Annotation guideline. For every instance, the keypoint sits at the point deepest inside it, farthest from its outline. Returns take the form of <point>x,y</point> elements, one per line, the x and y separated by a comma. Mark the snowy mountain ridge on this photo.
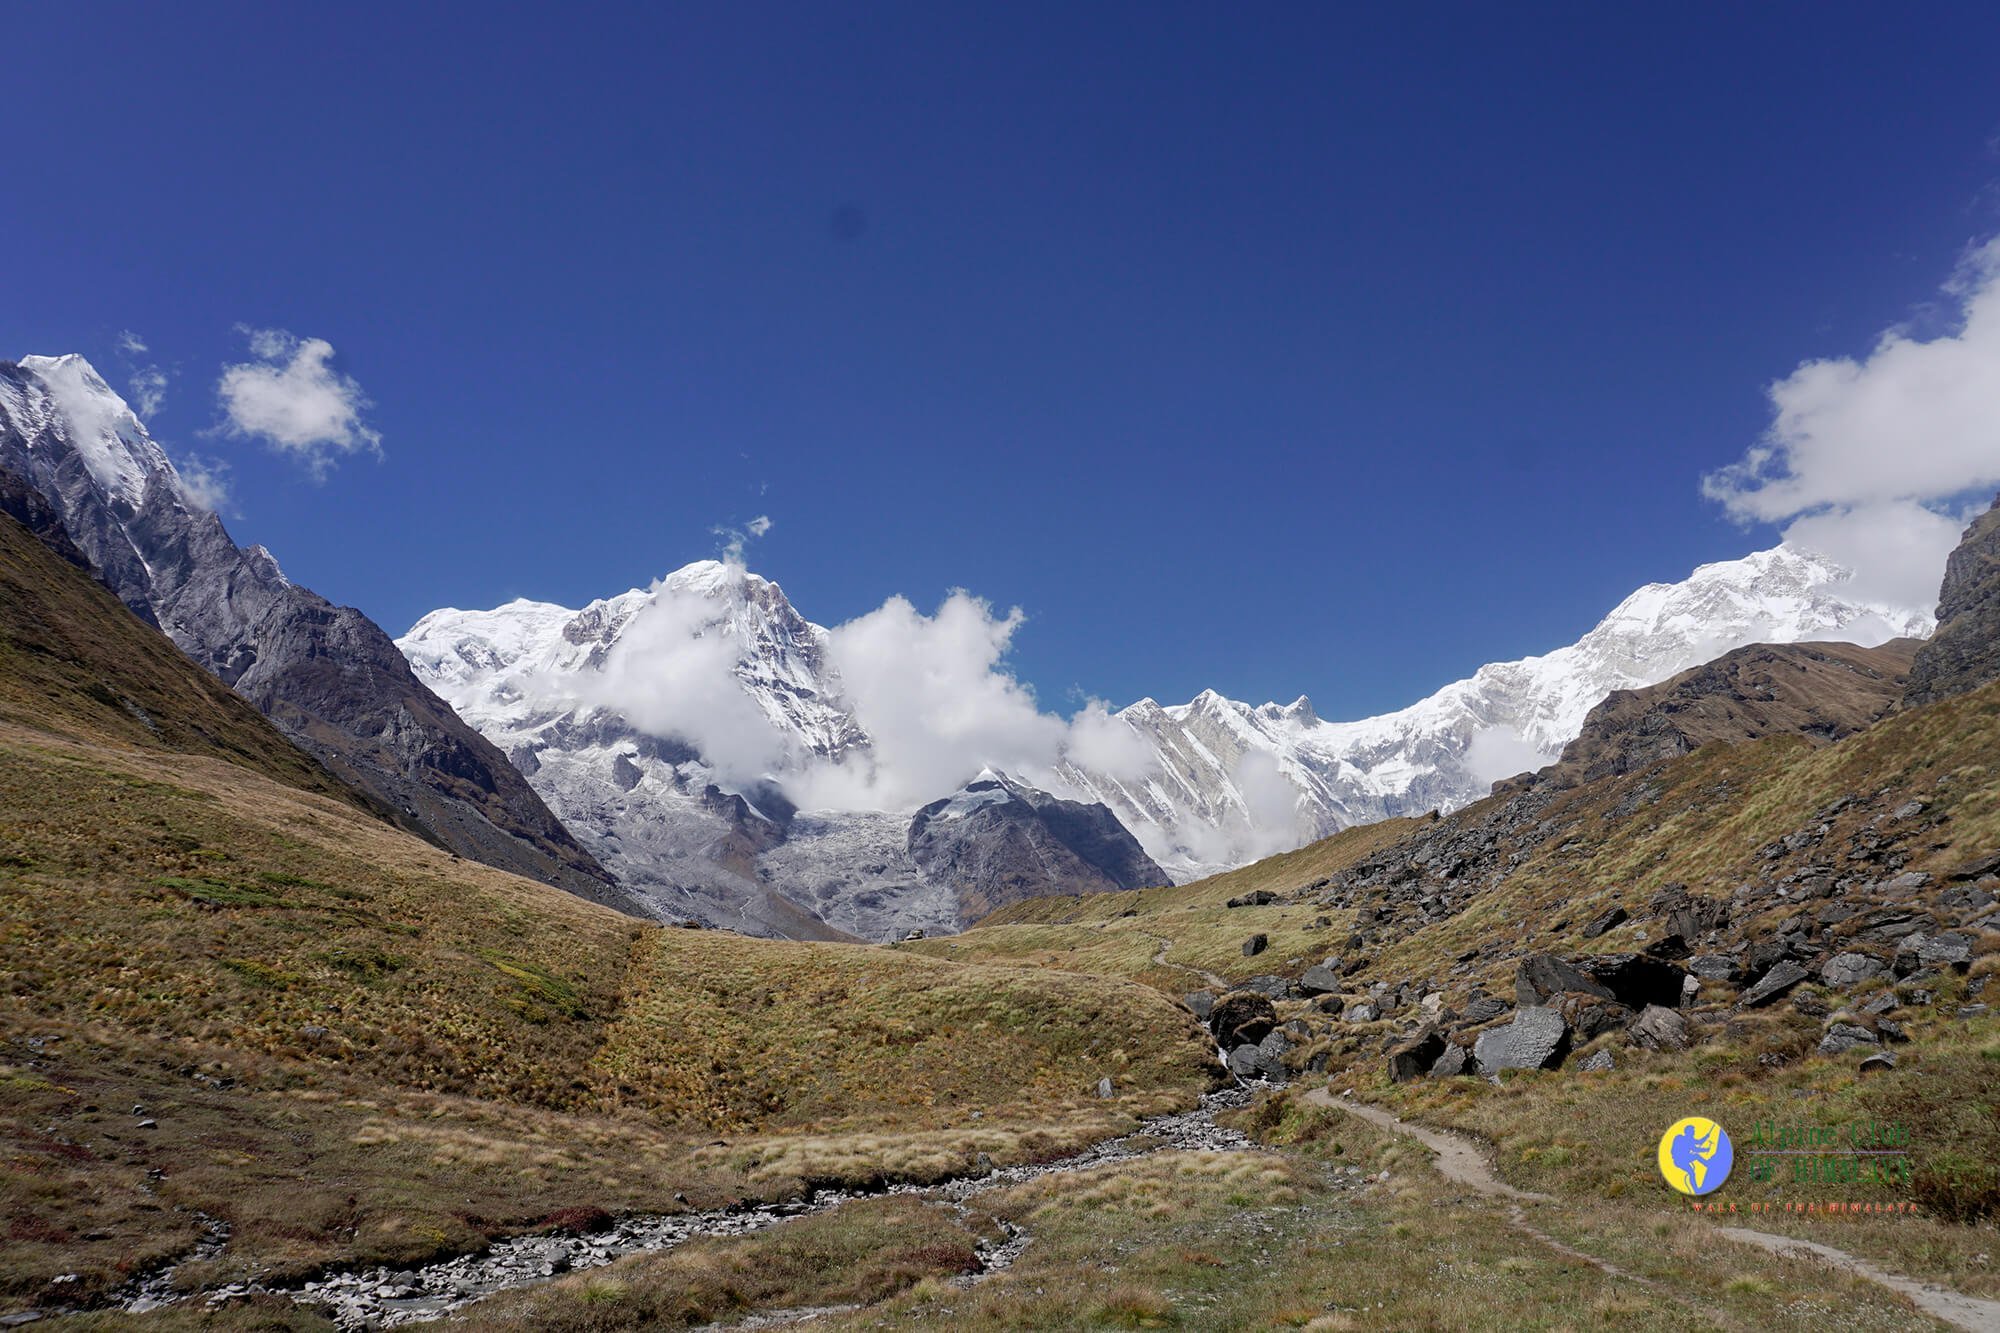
<point>593,705</point>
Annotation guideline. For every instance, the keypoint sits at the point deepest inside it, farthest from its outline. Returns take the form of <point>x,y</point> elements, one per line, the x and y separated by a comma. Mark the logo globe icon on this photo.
<point>1695,1155</point>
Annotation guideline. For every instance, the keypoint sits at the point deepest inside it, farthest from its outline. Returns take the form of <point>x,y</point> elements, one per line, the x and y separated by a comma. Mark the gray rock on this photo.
<point>1363,1013</point>
<point>1275,987</point>
<point>1243,1061</point>
<point>1964,652</point>
<point>1260,898</point>
<point>1484,1010</point>
<point>1241,1018</point>
<point>1542,975</point>
<point>1599,1062</point>
<point>1878,1062</point>
<point>1201,1002</point>
<point>1453,1061</point>
<point>1590,1017</point>
<point>1415,1055</point>
<point>1610,920</point>
<point>1329,1004</point>
<point>1951,950</point>
<point>1319,979</point>
<point>1843,1037</point>
<point>1271,1054</point>
<point>1104,1088</point>
<point>1659,1029</point>
<point>1774,983</point>
<point>1636,979</point>
<point>1536,1039</point>
<point>1847,970</point>
<point>1883,1003</point>
<point>1256,944</point>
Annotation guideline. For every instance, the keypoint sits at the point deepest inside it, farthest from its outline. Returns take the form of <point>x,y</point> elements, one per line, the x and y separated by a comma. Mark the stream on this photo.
<point>386,1298</point>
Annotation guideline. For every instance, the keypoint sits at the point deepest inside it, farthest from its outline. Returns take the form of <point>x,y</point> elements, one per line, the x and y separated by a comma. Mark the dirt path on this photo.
<point>1461,1160</point>
<point>1208,978</point>
<point>1954,1308</point>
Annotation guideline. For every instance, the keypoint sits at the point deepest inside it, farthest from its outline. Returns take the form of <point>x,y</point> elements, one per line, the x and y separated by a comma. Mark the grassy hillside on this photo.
<point>1178,938</point>
<point>351,1043</point>
<point>1894,818</point>
<point>75,662</point>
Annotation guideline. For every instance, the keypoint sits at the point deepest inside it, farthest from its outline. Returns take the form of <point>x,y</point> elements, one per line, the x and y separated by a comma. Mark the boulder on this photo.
<point>1243,1061</point>
<point>1201,1002</point>
<point>1271,1057</point>
<point>1362,1013</point>
<point>1484,1009</point>
<point>1599,1062</point>
<point>1269,984</point>
<point>1847,970</point>
<point>1415,1055</point>
<point>1591,1016</point>
<point>1454,1060</point>
<point>1319,979</point>
<point>1635,979</point>
<point>1536,1039</point>
<point>1329,1004</point>
<point>1105,1089</point>
<point>1951,950</point>
<point>1841,1038</point>
<point>1256,944</point>
<point>1610,920</point>
<point>1774,983</point>
<point>1260,898</point>
<point>1241,1018</point>
<point>1542,975</point>
<point>1878,1062</point>
<point>1658,1028</point>
<point>1715,967</point>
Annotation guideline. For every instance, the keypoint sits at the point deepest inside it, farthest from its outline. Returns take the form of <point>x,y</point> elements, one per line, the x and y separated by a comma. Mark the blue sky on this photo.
<point>1318,349</point>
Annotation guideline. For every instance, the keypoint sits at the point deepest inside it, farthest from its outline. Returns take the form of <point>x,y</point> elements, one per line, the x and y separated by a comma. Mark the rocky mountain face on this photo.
<point>1233,782</point>
<point>613,713</point>
<point>1822,691</point>
<point>1638,896</point>
<point>1001,841</point>
<point>329,678</point>
<point>1965,652</point>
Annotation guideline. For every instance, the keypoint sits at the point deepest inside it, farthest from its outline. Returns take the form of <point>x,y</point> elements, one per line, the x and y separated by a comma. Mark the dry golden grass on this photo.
<point>359,1048</point>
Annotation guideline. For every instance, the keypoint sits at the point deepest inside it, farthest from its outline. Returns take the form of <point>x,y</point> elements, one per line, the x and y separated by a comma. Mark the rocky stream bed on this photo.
<point>385,1298</point>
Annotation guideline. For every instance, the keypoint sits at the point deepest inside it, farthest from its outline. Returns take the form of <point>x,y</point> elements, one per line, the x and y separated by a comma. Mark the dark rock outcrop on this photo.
<point>1822,691</point>
<point>1964,653</point>
<point>1242,1018</point>
<point>998,841</point>
<point>1543,976</point>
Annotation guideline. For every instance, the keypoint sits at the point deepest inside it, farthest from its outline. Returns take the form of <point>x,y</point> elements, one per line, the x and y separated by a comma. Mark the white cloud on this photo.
<point>131,343</point>
<point>672,674</point>
<point>1500,752</point>
<point>932,693</point>
<point>1872,461</point>
<point>292,398</point>
<point>204,481</point>
<point>735,539</point>
<point>149,390</point>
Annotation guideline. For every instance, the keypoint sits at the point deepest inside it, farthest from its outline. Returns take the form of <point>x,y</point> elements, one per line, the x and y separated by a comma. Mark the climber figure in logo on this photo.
<point>1692,1152</point>
<point>1695,1155</point>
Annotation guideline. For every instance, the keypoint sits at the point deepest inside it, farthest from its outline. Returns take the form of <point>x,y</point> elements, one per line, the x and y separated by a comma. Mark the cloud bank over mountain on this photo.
<point>1879,461</point>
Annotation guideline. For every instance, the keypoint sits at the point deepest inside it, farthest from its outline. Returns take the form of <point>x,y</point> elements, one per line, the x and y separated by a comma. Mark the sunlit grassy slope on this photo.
<point>227,988</point>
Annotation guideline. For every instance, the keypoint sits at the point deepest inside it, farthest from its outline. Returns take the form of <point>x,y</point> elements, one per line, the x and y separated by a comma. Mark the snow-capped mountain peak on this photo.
<point>1214,801</point>
<point>64,403</point>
